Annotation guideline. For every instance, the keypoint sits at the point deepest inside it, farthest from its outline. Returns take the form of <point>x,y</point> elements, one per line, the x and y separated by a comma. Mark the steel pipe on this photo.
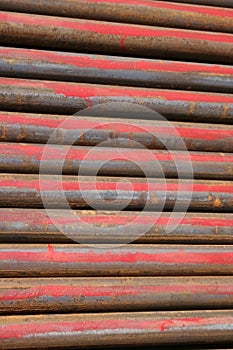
<point>115,329</point>
<point>69,98</point>
<point>112,193</point>
<point>90,131</point>
<point>155,13</point>
<point>81,35</point>
<point>69,295</point>
<point>37,64</point>
<point>58,226</point>
<point>53,159</point>
<point>37,260</point>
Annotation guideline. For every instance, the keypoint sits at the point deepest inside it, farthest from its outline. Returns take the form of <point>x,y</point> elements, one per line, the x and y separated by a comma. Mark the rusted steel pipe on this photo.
<point>68,98</point>
<point>54,159</point>
<point>111,329</point>
<point>155,13</point>
<point>114,38</point>
<point>112,193</point>
<point>36,226</point>
<point>89,131</point>
<point>37,64</point>
<point>220,3</point>
<point>27,260</point>
<point>25,295</point>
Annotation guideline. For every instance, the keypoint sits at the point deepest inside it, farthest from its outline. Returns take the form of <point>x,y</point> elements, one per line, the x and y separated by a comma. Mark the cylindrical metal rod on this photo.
<point>90,131</point>
<point>35,64</point>
<point>54,159</point>
<point>112,193</point>
<point>115,38</point>
<point>27,295</point>
<point>111,329</point>
<point>155,13</point>
<point>220,3</point>
<point>27,260</point>
<point>36,226</point>
<point>68,98</point>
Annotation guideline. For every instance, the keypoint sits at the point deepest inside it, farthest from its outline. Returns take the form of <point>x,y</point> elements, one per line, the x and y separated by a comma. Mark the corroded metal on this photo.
<point>54,159</point>
<point>68,98</point>
<point>36,226</point>
<point>89,131</point>
<point>25,295</point>
<point>80,35</point>
<point>112,329</point>
<point>112,193</point>
<point>38,64</point>
<point>27,260</point>
<point>155,13</point>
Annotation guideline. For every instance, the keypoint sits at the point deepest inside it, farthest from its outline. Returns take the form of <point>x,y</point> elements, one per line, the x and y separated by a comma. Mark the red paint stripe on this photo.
<point>107,28</point>
<point>71,124</point>
<point>14,331</point>
<point>113,63</point>
<point>56,185</point>
<point>46,153</point>
<point>38,218</point>
<point>89,91</point>
<point>204,10</point>
<point>170,256</point>
<point>58,291</point>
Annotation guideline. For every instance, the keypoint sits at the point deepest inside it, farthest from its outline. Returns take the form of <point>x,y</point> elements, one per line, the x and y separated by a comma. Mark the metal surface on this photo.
<point>111,193</point>
<point>160,13</point>
<point>35,226</point>
<point>131,133</point>
<point>27,260</point>
<point>28,295</point>
<point>81,35</point>
<point>54,159</point>
<point>68,98</point>
<point>38,64</point>
<point>134,329</point>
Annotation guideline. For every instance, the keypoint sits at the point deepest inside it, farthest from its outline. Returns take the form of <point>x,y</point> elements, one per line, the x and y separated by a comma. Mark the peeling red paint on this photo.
<point>170,256</point>
<point>89,91</point>
<point>28,329</point>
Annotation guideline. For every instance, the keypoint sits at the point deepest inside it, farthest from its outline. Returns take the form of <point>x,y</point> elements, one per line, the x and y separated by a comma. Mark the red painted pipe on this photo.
<point>106,193</point>
<point>160,13</point>
<point>69,98</point>
<point>27,260</point>
<point>38,64</point>
<point>53,159</point>
<point>115,38</point>
<point>117,329</point>
<point>36,226</point>
<point>89,131</point>
<point>25,295</point>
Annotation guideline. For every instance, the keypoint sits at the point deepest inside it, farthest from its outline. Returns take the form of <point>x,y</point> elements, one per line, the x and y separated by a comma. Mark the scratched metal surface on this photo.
<point>167,289</point>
